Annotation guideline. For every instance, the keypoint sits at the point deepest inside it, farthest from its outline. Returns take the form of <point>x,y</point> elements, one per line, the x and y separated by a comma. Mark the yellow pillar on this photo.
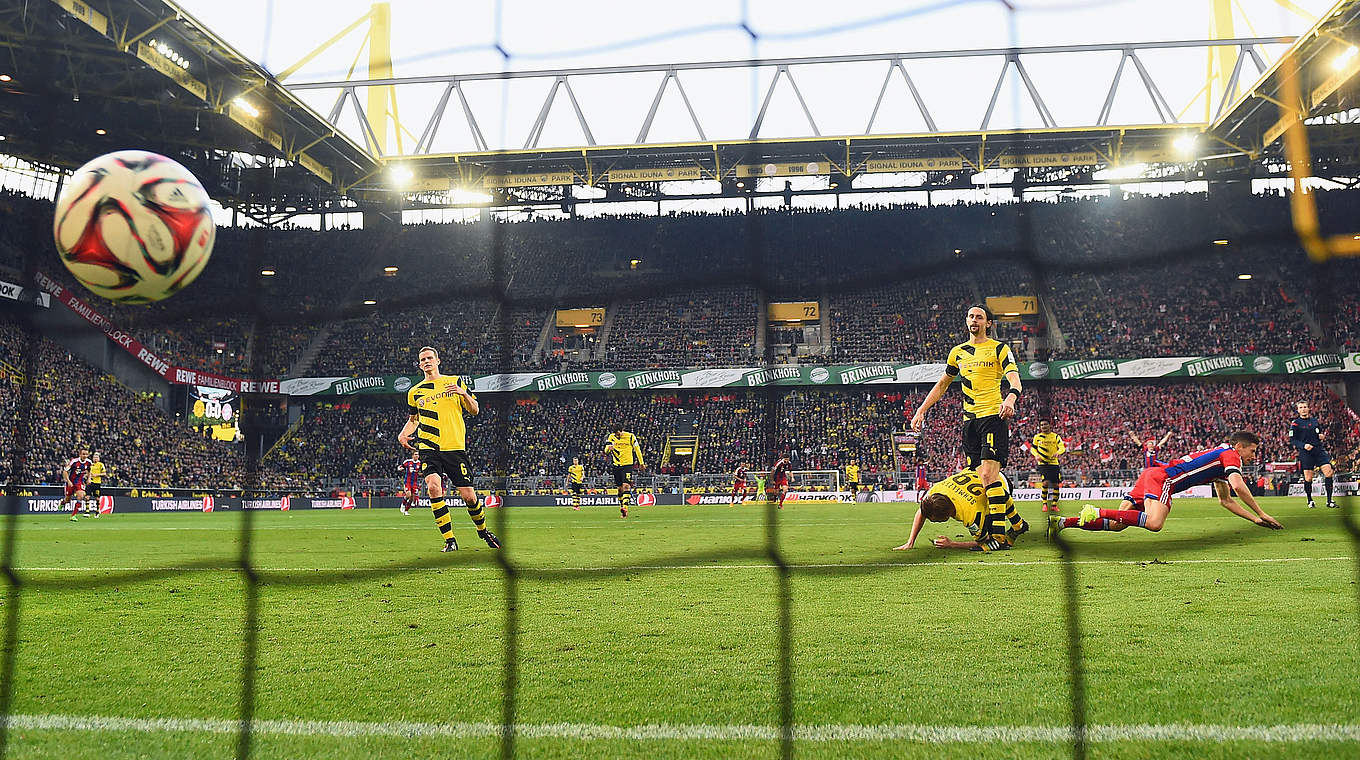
<point>380,67</point>
<point>1221,59</point>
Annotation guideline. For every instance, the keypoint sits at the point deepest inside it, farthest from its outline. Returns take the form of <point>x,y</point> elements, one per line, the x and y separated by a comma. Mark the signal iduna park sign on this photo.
<point>840,374</point>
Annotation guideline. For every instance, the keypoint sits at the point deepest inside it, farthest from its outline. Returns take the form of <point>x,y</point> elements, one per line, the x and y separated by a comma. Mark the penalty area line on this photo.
<point>1204,733</point>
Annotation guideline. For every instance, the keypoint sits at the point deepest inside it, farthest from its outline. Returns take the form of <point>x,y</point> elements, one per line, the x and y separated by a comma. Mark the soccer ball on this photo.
<point>134,226</point>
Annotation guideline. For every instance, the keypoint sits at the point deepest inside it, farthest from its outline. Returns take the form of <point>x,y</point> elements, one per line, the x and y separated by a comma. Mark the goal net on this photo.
<point>808,481</point>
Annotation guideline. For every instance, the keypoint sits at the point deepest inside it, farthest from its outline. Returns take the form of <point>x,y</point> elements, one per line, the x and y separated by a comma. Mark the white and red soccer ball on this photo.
<point>134,226</point>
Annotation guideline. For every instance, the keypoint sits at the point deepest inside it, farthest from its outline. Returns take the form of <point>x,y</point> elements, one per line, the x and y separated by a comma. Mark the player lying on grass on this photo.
<point>963,497</point>
<point>1149,503</point>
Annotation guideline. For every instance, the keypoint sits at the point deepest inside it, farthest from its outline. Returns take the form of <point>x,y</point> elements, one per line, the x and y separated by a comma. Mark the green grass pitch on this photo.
<point>658,636</point>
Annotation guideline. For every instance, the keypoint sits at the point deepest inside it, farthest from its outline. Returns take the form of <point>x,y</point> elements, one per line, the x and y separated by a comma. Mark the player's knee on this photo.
<point>1154,523</point>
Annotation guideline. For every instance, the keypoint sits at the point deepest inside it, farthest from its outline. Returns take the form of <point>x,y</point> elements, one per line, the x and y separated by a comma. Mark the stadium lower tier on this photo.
<point>538,435</point>
<point>530,435</point>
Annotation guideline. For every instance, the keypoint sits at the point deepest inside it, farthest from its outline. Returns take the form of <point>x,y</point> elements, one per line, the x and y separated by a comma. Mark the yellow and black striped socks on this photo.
<point>576,499</point>
<point>441,517</point>
<point>474,509</point>
<point>999,497</point>
<point>1049,495</point>
<point>625,497</point>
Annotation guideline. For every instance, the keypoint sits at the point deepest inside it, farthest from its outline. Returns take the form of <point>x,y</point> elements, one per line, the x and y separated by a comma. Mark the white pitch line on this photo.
<point>1207,733</point>
<point>751,566</point>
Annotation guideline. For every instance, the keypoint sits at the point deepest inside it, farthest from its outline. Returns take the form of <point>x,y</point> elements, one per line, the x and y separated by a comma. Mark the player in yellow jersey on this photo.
<point>852,480</point>
<point>437,404</point>
<point>577,475</point>
<point>981,364</point>
<point>962,497</point>
<point>625,458</point>
<point>1046,447</point>
<point>97,472</point>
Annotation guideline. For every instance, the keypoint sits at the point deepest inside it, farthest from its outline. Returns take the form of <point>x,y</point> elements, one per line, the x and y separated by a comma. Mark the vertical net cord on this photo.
<point>259,327</point>
<point>500,291</point>
<point>1321,254</point>
<point>1042,409</point>
<point>12,502</point>
<point>759,273</point>
<point>1330,286</point>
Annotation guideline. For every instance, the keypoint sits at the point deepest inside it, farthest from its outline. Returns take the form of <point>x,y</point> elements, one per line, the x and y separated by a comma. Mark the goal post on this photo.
<point>811,481</point>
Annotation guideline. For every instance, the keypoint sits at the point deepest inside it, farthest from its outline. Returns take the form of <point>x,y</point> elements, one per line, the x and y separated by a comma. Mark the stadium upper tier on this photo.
<point>1116,278</point>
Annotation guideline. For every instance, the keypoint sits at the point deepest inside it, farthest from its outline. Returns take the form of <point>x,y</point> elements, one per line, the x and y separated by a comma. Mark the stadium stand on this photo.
<point>819,429</point>
<point>76,406</point>
<point>716,328</point>
<point>893,281</point>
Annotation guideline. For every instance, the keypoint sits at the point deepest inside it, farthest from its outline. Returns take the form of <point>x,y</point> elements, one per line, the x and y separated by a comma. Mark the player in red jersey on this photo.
<point>410,469</point>
<point>922,482</point>
<point>76,477</point>
<point>1152,449</point>
<point>739,483</point>
<point>779,480</point>
<point>1149,503</point>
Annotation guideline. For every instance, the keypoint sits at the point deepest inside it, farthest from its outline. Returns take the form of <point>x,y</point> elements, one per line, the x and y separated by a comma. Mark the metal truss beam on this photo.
<point>532,136</point>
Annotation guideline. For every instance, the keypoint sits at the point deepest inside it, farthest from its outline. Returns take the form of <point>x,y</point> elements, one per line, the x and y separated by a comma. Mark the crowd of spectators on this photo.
<point>536,435</point>
<point>915,321</point>
<point>74,406</point>
<point>1116,277</point>
<point>712,328</point>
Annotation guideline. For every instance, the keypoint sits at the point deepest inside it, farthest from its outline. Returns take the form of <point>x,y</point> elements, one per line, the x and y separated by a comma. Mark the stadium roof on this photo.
<point>1315,77</point>
<point>146,74</point>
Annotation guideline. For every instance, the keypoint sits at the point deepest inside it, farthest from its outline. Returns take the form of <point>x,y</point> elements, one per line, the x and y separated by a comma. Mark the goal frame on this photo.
<point>794,478</point>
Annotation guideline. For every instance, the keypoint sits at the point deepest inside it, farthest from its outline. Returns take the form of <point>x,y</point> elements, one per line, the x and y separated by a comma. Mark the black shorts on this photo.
<point>92,491</point>
<point>623,473</point>
<point>577,488</point>
<point>1313,459</point>
<point>1050,473</point>
<point>854,485</point>
<point>453,465</point>
<point>986,438</point>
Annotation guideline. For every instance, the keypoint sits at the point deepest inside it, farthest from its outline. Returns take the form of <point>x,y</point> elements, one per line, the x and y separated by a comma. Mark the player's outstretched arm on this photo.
<point>1165,438</point>
<point>945,542</point>
<point>916,523</point>
<point>1134,437</point>
<point>1239,486</point>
